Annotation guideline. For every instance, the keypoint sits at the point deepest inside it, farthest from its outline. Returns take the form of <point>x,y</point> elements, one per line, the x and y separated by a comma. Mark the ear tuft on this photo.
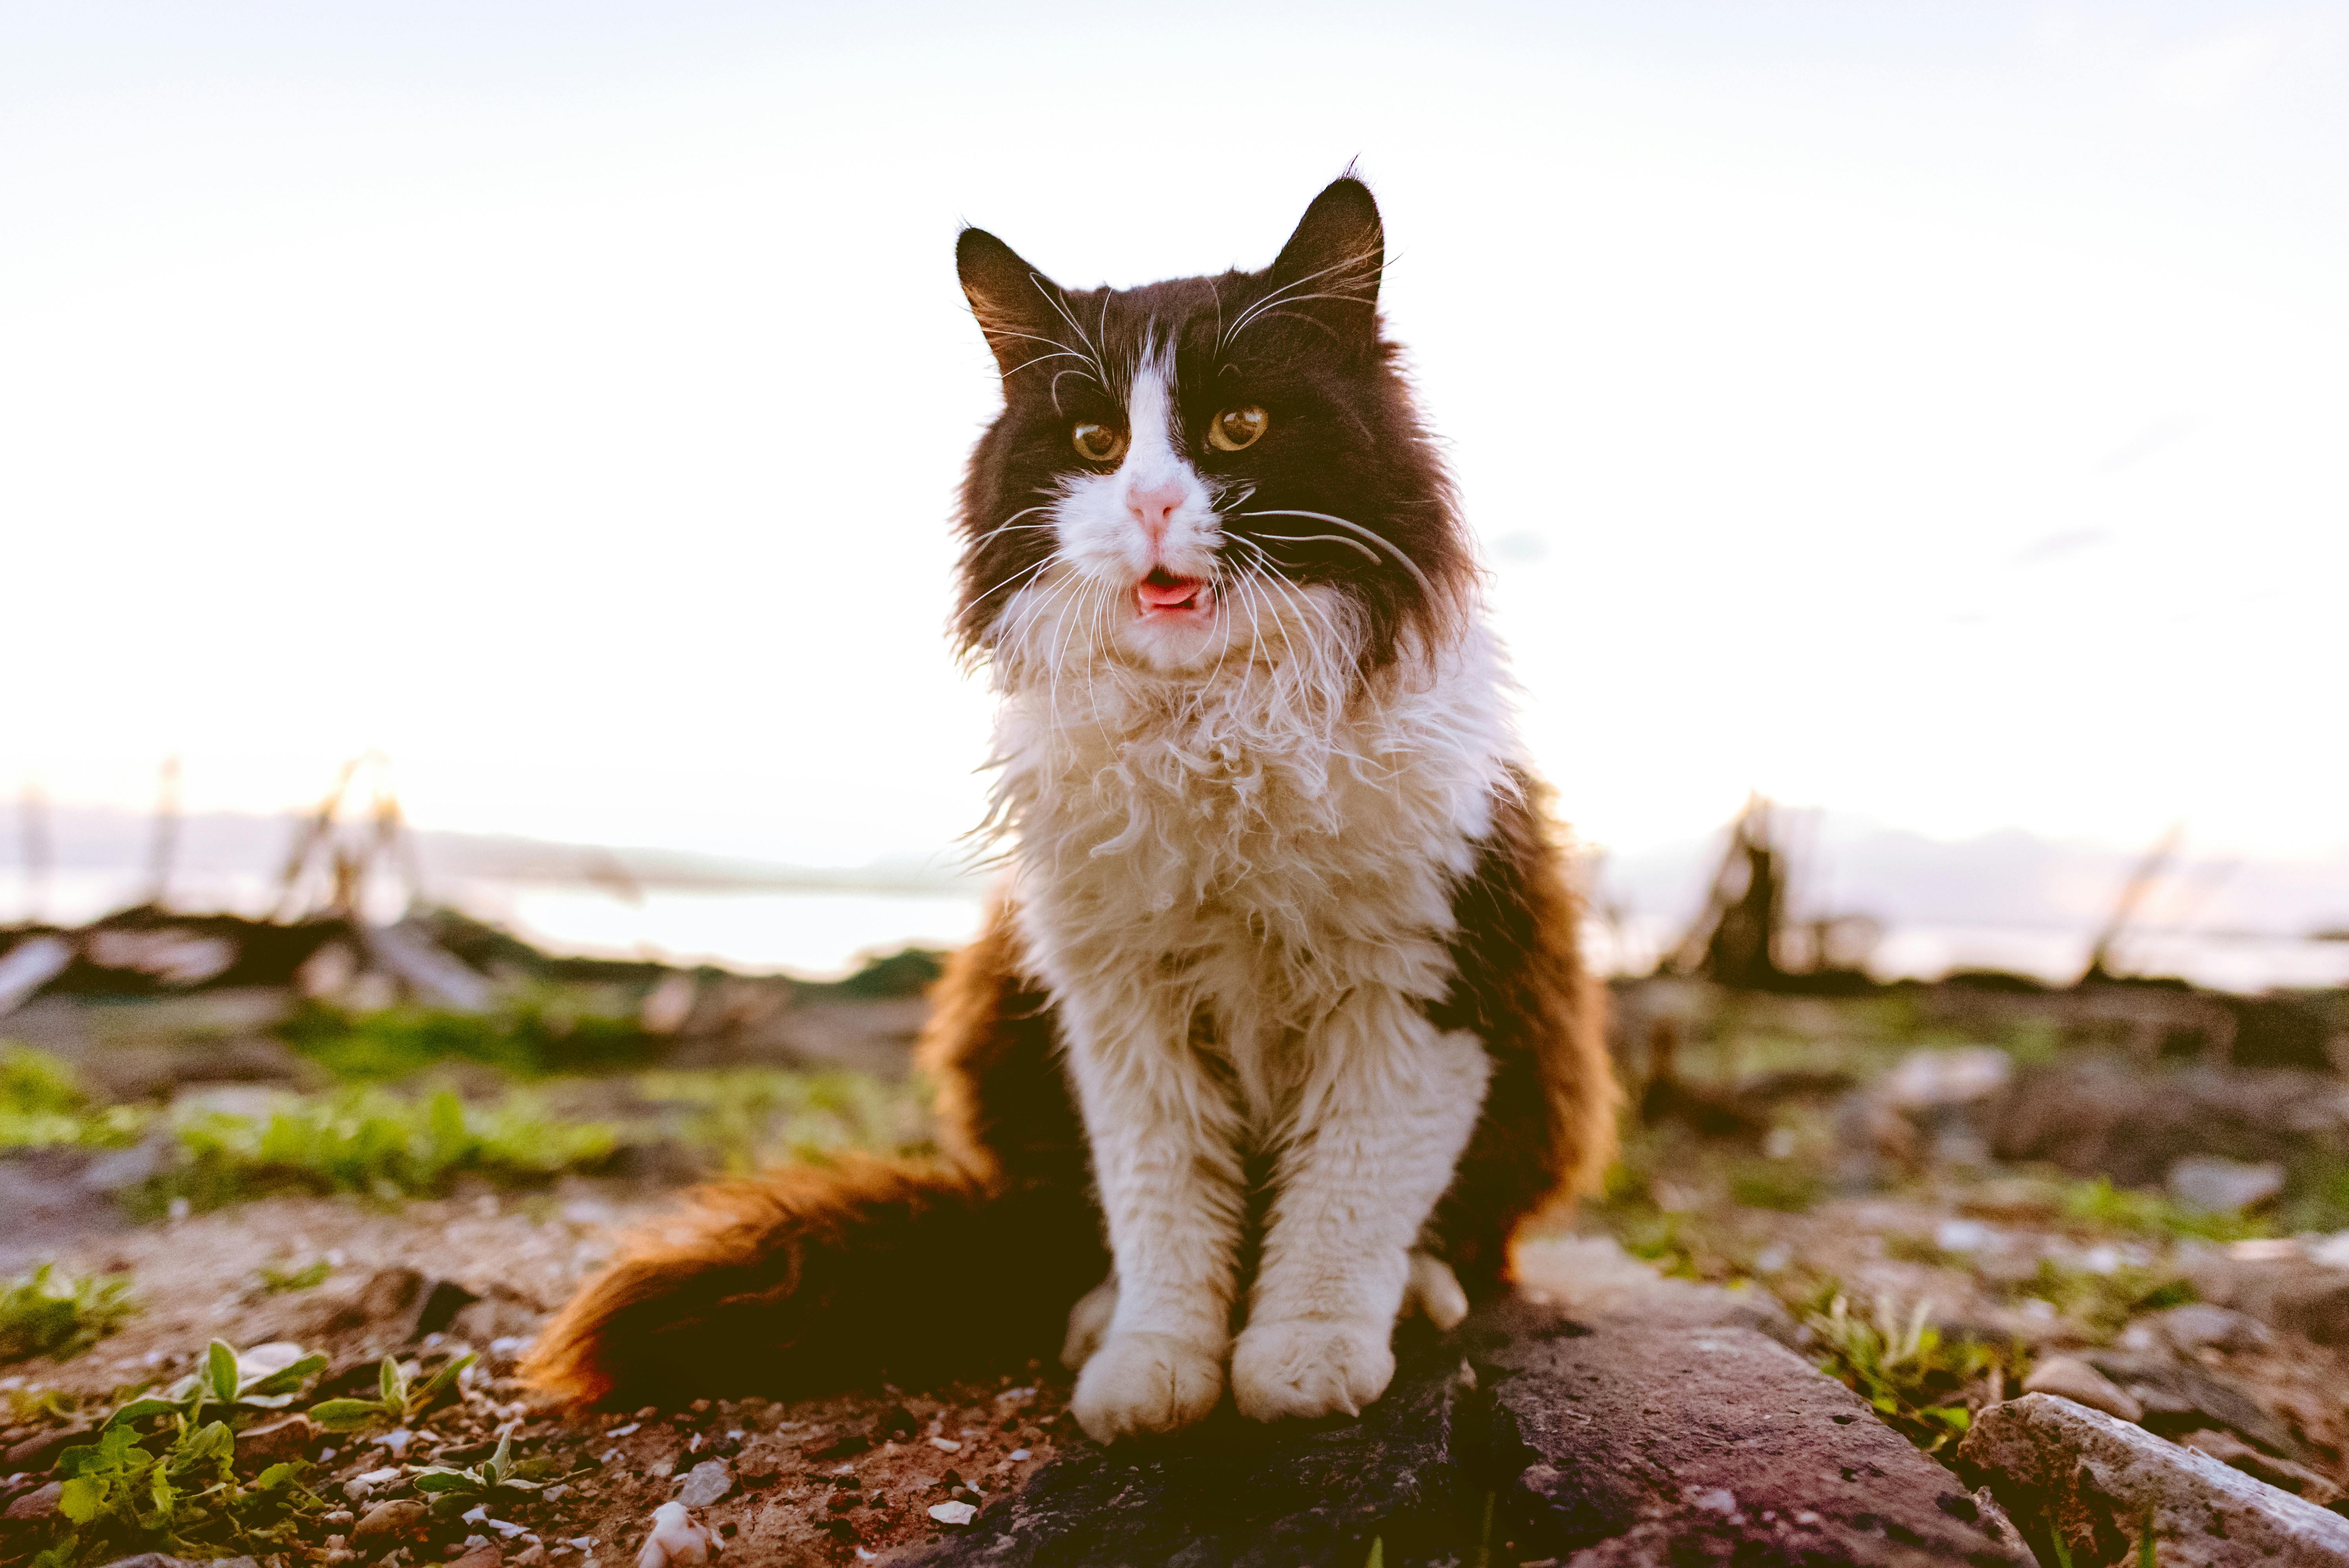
<point>1015,304</point>
<point>1340,248</point>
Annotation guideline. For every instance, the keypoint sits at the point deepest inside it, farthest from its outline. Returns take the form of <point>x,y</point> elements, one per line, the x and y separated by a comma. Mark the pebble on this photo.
<point>397,1517</point>
<point>952,1512</point>
<point>945,1445</point>
<point>705,1483</point>
<point>2068,1377</point>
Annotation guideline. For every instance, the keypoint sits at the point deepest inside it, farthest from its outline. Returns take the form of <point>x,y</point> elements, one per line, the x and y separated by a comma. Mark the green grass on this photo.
<point>367,1140</point>
<point>529,1037</point>
<point>42,1104</point>
<point>752,1117</point>
<point>2101,1204</point>
<point>1778,1184</point>
<point>44,1314</point>
<point>1918,1382</point>
<point>2102,1303</point>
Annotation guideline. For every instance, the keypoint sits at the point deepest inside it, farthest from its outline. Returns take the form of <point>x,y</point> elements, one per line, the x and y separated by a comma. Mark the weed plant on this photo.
<point>42,1313</point>
<point>1922,1384</point>
<point>531,1035</point>
<point>42,1104</point>
<point>751,1117</point>
<point>367,1140</point>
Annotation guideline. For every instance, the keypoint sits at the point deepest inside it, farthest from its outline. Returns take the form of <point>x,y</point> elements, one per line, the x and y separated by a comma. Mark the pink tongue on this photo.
<point>1169,592</point>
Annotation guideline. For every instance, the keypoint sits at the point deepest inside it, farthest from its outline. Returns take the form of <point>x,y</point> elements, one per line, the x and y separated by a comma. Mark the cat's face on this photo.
<point>1204,467</point>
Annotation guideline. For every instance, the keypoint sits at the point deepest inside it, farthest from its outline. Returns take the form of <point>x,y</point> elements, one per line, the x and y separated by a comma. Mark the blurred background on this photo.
<point>1926,417</point>
<point>479,749</point>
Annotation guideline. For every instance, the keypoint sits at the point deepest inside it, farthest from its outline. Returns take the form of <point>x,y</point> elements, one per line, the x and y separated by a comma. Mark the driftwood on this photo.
<point>1661,1426</point>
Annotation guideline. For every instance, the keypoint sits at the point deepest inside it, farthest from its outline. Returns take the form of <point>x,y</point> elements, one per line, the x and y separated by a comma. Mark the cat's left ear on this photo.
<point>1330,265</point>
<point>1022,312</point>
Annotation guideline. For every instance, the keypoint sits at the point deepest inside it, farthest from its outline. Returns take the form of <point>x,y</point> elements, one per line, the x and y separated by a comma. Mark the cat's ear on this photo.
<point>1022,312</point>
<point>1330,265</point>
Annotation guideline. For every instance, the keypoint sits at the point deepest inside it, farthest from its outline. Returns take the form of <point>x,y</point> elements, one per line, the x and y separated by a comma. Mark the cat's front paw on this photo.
<point>1138,1382</point>
<point>1307,1366</point>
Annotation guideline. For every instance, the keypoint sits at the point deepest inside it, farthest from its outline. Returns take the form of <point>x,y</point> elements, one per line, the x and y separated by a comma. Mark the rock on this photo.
<point>40,1450</point>
<point>1956,1077</point>
<point>160,1560</point>
<point>40,1503</point>
<point>2197,1326</point>
<point>2178,1396</point>
<point>2069,1378</point>
<point>2061,1468</point>
<point>2331,1251</point>
<point>954,1513</point>
<point>1608,1439</point>
<point>443,1300</point>
<point>2216,1185</point>
<point>705,1483</point>
<point>2288,1294</point>
<point>400,1516</point>
<point>486,1555</point>
<point>259,1447</point>
<point>388,1295</point>
<point>2235,1454</point>
<point>676,1539</point>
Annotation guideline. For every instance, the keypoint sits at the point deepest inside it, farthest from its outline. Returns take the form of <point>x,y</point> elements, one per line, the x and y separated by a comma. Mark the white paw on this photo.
<point>1141,1383</point>
<point>1433,1291</point>
<point>1089,1322</point>
<point>1310,1367</point>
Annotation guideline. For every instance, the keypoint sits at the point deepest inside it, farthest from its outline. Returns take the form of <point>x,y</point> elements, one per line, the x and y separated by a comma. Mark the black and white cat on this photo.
<point>1281,992</point>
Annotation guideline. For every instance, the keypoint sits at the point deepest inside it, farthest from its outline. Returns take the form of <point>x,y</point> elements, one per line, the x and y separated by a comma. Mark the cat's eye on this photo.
<point>1236,428</point>
<point>1098,443</point>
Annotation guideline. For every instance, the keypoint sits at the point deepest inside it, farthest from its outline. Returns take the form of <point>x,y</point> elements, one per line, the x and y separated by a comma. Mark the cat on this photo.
<point>1276,1030</point>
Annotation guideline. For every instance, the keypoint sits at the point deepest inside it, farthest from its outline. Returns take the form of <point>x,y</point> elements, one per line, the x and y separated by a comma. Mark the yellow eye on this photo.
<point>1236,428</point>
<point>1099,443</point>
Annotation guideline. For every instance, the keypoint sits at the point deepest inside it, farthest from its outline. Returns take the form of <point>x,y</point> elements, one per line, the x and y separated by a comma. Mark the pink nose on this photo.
<point>1153,505</point>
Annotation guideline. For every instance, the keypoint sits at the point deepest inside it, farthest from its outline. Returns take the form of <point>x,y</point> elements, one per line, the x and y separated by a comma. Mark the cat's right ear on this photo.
<point>1022,312</point>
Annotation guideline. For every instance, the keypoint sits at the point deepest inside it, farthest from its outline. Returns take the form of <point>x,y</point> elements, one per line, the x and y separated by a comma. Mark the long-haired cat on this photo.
<point>1280,998</point>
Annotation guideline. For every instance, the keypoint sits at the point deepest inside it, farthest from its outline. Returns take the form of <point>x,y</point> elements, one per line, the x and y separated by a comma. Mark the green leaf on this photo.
<point>220,1366</point>
<point>347,1415</point>
<point>442,1479</point>
<point>392,1384</point>
<point>278,1474</point>
<point>286,1379</point>
<point>141,1409</point>
<point>81,1498</point>
<point>438,1384</point>
<point>502,1463</point>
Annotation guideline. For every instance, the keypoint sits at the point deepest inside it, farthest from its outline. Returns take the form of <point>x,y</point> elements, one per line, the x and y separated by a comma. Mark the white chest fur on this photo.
<point>1241,852</point>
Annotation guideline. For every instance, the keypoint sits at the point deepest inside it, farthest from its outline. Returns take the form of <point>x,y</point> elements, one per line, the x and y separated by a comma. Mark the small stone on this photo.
<point>2218,1186</point>
<point>2198,1325</point>
<point>945,1445</point>
<point>705,1483</point>
<point>338,1518</point>
<point>955,1513</point>
<point>41,1502</point>
<point>485,1555</point>
<point>40,1450</point>
<point>2068,1377</point>
<point>400,1516</point>
<point>259,1447</point>
<point>530,1557</point>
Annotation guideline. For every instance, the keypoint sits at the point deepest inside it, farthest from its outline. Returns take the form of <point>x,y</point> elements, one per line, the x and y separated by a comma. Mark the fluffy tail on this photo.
<point>819,1277</point>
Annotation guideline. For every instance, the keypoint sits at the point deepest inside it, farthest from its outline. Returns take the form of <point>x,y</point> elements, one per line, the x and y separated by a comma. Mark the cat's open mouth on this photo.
<point>1162,596</point>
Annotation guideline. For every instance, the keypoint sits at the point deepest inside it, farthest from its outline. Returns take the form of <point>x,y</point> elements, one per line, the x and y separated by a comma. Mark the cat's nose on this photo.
<point>1153,505</point>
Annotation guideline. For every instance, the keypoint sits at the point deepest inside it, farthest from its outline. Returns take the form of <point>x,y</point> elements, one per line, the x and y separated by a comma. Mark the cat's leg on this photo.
<point>1433,1291</point>
<point>1089,1322</point>
<point>1165,1142</point>
<point>1375,1137</point>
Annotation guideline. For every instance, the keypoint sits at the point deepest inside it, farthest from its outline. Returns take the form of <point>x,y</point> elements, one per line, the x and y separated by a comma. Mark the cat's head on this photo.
<point>1205,467</point>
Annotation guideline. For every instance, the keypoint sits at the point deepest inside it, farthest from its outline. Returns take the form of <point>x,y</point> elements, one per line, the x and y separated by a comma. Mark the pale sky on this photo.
<point>1931,412</point>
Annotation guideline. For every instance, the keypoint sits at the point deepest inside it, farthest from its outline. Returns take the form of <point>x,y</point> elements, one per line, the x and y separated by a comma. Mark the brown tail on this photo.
<point>819,1277</point>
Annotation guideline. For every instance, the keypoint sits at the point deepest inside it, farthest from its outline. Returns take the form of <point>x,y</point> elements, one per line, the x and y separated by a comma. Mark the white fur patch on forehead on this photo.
<point>1150,403</point>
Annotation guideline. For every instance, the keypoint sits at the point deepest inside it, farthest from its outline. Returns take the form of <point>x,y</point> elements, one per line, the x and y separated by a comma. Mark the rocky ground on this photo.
<point>1871,1214</point>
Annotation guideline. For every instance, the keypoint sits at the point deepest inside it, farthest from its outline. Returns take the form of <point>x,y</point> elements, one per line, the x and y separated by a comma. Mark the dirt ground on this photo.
<point>829,1480</point>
